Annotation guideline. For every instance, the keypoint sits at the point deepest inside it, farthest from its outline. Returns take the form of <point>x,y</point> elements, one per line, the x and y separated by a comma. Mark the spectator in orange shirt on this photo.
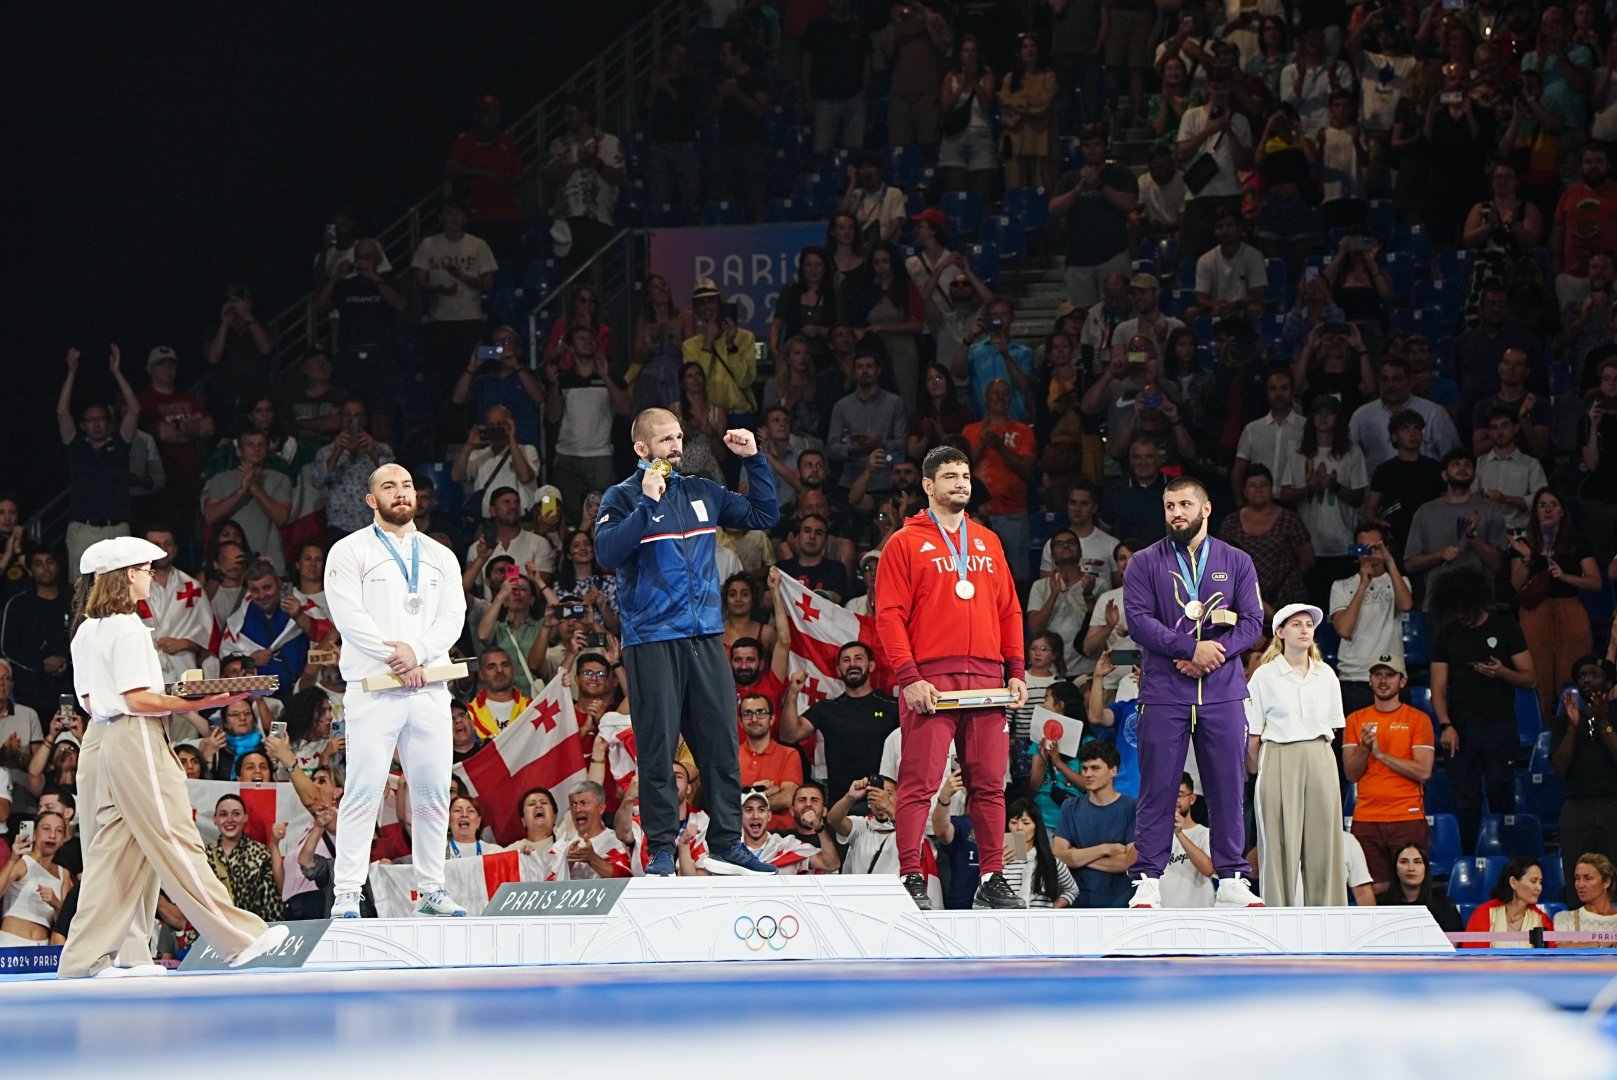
<point>1585,222</point>
<point>485,159</point>
<point>765,761</point>
<point>1002,456</point>
<point>1387,750</point>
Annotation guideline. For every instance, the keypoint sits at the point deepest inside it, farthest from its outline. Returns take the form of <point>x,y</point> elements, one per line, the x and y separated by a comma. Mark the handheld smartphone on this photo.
<point>512,573</point>
<point>25,833</point>
<point>1152,401</point>
<point>65,705</point>
<point>331,232</point>
<point>491,432</point>
<point>1310,273</point>
<point>890,457</point>
<point>489,352</point>
<point>1360,551</point>
<point>351,425</point>
<point>877,781</point>
<point>1016,844</point>
<point>1453,5</point>
<point>595,639</point>
<point>277,729</point>
<point>1126,657</point>
<point>1450,97</point>
<point>994,324</point>
<point>1136,356</point>
<point>1360,244</point>
<point>729,312</point>
<point>571,611</point>
<point>760,351</point>
<point>1336,329</point>
<point>489,539</point>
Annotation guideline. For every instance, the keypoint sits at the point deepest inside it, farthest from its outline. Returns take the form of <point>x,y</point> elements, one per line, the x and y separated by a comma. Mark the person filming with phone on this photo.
<point>344,467</point>
<point>727,353</point>
<point>492,458</point>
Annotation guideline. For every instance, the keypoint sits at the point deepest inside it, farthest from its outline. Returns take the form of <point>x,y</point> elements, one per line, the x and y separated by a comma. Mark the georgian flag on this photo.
<point>472,881</point>
<point>180,609</point>
<point>787,854</point>
<point>538,748</point>
<point>620,750</point>
<point>819,629</point>
<point>266,804</point>
<point>314,607</point>
<point>641,855</point>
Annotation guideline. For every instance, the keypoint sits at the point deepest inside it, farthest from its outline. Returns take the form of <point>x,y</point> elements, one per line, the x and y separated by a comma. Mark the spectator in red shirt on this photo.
<point>1002,457</point>
<point>1585,222</point>
<point>176,420</point>
<point>765,761</point>
<point>747,665</point>
<point>486,160</point>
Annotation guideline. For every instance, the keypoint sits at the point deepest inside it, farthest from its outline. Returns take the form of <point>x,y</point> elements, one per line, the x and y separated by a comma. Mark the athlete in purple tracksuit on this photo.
<point>1192,687</point>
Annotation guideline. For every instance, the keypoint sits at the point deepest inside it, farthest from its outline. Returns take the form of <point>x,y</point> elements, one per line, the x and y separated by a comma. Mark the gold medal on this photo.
<point>662,467</point>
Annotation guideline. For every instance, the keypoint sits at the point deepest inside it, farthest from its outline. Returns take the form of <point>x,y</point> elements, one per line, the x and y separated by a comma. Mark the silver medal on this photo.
<point>412,604</point>
<point>1194,610</point>
<point>965,589</point>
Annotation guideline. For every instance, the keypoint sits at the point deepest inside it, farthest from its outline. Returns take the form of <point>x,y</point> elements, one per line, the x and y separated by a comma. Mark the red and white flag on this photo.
<point>180,609</point>
<point>472,882</point>
<point>620,751</point>
<point>819,629</point>
<point>236,640</point>
<point>266,804</point>
<point>314,607</point>
<point>538,748</point>
<point>787,854</point>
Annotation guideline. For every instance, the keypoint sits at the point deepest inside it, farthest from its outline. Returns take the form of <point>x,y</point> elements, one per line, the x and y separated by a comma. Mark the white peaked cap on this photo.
<point>118,553</point>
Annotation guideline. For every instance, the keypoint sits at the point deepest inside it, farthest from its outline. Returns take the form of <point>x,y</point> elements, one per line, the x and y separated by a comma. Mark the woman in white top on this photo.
<point>541,837</point>
<point>33,885</point>
<point>465,829</point>
<point>1593,880</point>
<point>1294,708</point>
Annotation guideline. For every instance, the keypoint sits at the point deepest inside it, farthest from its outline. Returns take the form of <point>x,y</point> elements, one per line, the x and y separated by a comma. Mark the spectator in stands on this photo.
<point>1531,417</point>
<point>583,401</point>
<point>34,885</point>
<point>752,676</point>
<point>672,110</point>
<point>251,870</point>
<point>1384,79</point>
<point>854,725</point>
<point>1334,360</point>
<point>337,246</point>
<point>1095,201</point>
<point>177,420</point>
<point>1342,156</point>
<point>1583,749</point>
<point>486,160</point>
<point>583,309</point>
<point>1373,418</point>
<point>808,307</point>
<point>1212,129</point>
<point>1187,881</point>
<point>1095,833</point>
<point>1387,750</point>
<point>1360,285</point>
<point>1078,33</point>
<point>1163,193</point>
<point>1167,108</point>
<point>1272,438</point>
<point>1231,275</point>
<point>19,733</point>
<point>966,154</point>
<point>452,271</point>
<point>344,468</point>
<point>868,837</point>
<point>1035,875</point>
<point>1413,887</point>
<point>939,413</point>
<point>775,768</point>
<point>498,699</point>
<point>224,584</point>
<point>1459,138</point>
<point>1514,906</point>
<point>990,352</point>
<point>1062,601</point>
<point>1148,318</point>
<point>238,351</point>
<point>914,43</point>
<point>660,330</point>
<point>1597,454</point>
<point>1095,545</point>
<point>1003,454</point>
<point>12,568</point>
<point>865,421</point>
<point>509,623</point>
<point>876,210</point>
<point>1506,227</point>
<point>1549,564</point>
<point>583,169</point>
<point>504,380</point>
<point>1286,159</point>
<point>597,852</point>
<point>369,307</point>
<point>1366,612</point>
<point>465,831</point>
<point>890,307</point>
<point>1273,536</point>
<point>1477,352</point>
<point>727,353</point>
<point>262,623</point>
<point>1585,222</point>
<point>1270,54</point>
<point>1324,479</point>
<point>1133,502</point>
<point>1564,67</point>
<point>741,99</point>
<point>1097,328</point>
<point>33,637</point>
<point>98,459</point>
<point>1458,530</point>
<point>1404,482</point>
<point>491,458</point>
<point>811,566</point>
<point>835,75</point>
<point>1507,476</point>
<point>1593,879</point>
<point>311,404</point>
<point>1027,103</point>
<point>1479,660</point>
<point>1312,78</point>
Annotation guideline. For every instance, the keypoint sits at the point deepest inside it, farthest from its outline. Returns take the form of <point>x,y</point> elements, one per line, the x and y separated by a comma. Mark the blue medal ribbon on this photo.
<point>958,555</point>
<point>1193,581</point>
<point>412,576</point>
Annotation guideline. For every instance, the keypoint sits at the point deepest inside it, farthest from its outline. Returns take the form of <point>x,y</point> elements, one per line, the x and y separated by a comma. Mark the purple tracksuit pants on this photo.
<point>1164,732</point>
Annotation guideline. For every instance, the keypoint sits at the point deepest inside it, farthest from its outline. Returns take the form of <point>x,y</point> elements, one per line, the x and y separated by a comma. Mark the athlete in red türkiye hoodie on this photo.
<point>941,631</point>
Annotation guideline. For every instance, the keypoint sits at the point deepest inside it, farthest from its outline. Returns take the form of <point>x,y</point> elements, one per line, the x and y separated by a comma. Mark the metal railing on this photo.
<point>611,80</point>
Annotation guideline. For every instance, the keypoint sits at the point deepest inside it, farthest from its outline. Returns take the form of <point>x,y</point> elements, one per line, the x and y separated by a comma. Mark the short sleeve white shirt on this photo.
<point>112,656</point>
<point>872,848</point>
<point>1379,631</point>
<point>1183,886</point>
<point>1287,706</point>
<point>1232,277</point>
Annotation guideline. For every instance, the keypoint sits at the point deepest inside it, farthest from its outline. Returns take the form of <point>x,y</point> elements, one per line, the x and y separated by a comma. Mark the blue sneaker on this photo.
<point>662,864</point>
<point>735,860</point>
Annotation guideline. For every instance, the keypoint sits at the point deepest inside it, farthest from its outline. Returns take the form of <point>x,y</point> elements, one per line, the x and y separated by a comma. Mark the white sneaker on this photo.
<point>437,903</point>
<point>345,905</point>
<point>270,940</point>
<point>1147,893</point>
<point>1236,892</point>
<point>139,971</point>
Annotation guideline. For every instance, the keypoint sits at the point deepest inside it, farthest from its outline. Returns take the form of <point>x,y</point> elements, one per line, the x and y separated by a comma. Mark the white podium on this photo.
<point>835,918</point>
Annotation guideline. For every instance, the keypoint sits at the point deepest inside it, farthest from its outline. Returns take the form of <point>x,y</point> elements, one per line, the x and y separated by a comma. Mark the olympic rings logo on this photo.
<point>766,931</point>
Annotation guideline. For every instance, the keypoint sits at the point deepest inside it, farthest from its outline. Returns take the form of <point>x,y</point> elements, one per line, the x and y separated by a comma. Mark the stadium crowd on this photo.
<point>1352,267</point>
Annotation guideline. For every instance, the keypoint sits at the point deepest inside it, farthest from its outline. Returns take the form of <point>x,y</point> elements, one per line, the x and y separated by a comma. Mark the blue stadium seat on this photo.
<point>965,210</point>
<point>777,125</point>
<point>1006,233</point>
<point>780,210</point>
<point>1350,799</point>
<point>780,173</point>
<point>902,165</point>
<point>984,262</point>
<point>1427,321</point>
<point>1168,252</point>
<point>1417,649</point>
<point>1185,276</point>
<point>1451,300</point>
<point>1415,240</point>
<point>1466,911</point>
<point>1456,264</point>
<point>1554,879</point>
<point>1401,271</point>
<point>806,189</point>
<point>915,202</point>
<point>631,201</point>
<point>1540,794</point>
<point>835,161</point>
<point>1421,698</point>
<point>1379,217</point>
<point>1178,301</point>
<point>1203,329</point>
<point>541,276</point>
<point>1552,908</point>
<point>446,492</point>
<point>1275,272</point>
<point>1032,205</point>
<point>420,399</point>
<point>1071,151</point>
<point>1328,640</point>
<point>1539,760</point>
<point>1541,255</point>
<point>665,216</point>
<point>1528,721</point>
<point>723,212</point>
<point>1439,794</point>
<point>1510,835</point>
<point>1472,879</point>
<point>1443,841</point>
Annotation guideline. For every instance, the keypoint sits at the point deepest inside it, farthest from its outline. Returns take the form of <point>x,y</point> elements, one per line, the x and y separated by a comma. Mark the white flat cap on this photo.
<point>118,553</point>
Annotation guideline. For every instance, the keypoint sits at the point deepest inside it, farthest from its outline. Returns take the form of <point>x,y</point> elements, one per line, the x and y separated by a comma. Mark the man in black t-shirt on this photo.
<point>673,108</point>
<point>368,308</point>
<point>1096,200</point>
<point>854,726</point>
<point>1405,482</point>
<point>1479,661</point>
<point>1583,748</point>
<point>741,101</point>
<point>836,70</point>
<point>812,567</point>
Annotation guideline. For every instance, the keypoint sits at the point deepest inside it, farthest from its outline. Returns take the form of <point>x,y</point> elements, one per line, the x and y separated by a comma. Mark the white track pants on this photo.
<point>417,723</point>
